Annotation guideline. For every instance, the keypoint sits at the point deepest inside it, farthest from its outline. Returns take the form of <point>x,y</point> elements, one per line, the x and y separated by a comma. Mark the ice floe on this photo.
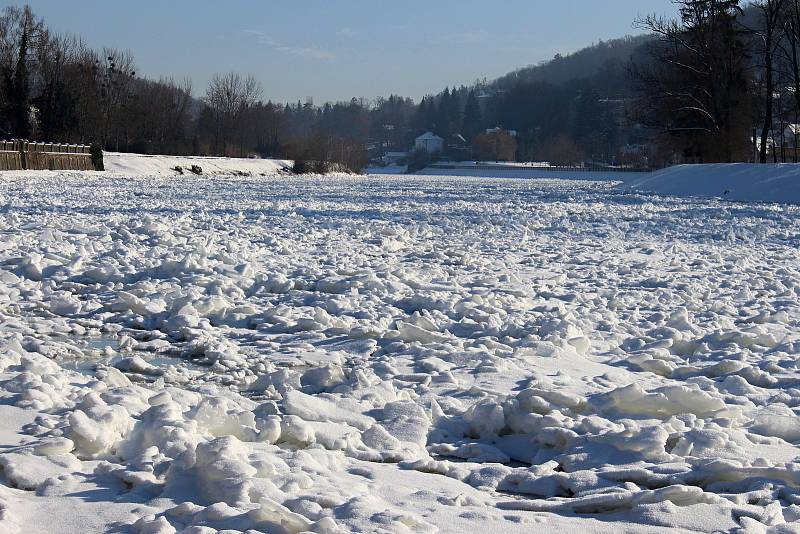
<point>393,354</point>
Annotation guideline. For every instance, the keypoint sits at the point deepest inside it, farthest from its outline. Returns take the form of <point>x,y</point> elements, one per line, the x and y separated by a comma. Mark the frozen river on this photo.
<point>394,354</point>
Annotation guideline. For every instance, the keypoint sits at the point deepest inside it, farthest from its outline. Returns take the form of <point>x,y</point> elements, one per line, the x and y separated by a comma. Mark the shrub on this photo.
<point>301,166</point>
<point>496,146</point>
<point>305,166</point>
<point>321,167</point>
<point>563,151</point>
<point>419,159</point>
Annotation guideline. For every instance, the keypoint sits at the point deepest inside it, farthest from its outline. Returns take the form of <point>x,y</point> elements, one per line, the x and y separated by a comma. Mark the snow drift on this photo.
<point>745,182</point>
<point>144,165</point>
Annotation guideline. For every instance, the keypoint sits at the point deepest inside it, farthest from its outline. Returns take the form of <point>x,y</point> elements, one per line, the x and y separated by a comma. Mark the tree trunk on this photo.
<point>793,36</point>
<point>769,89</point>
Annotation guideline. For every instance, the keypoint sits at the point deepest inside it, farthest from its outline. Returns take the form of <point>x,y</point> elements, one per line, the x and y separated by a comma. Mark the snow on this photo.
<point>144,165</point>
<point>530,172</point>
<point>744,182</point>
<point>509,169</point>
<point>393,354</point>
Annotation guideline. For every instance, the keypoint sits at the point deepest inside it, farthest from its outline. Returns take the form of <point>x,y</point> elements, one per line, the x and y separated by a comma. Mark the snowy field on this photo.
<point>394,354</point>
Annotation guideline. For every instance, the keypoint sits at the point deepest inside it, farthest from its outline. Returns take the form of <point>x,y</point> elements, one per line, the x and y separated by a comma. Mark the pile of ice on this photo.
<point>744,182</point>
<point>393,355</point>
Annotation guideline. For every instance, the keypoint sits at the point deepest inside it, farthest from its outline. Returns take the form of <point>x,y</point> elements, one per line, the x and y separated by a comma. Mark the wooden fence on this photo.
<point>24,155</point>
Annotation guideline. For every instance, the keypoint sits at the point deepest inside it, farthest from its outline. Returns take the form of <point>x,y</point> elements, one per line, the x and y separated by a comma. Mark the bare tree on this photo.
<point>694,88</point>
<point>21,34</point>
<point>158,115</point>
<point>229,97</point>
<point>82,78</point>
<point>115,75</point>
<point>496,146</point>
<point>55,88</point>
<point>790,49</point>
<point>769,33</point>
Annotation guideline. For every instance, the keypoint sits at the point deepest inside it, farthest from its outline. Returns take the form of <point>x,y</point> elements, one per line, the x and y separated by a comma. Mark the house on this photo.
<point>430,143</point>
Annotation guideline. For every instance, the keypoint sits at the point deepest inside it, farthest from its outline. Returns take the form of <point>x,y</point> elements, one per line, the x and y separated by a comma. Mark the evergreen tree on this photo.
<point>19,95</point>
<point>447,116</point>
<point>471,125</point>
<point>426,117</point>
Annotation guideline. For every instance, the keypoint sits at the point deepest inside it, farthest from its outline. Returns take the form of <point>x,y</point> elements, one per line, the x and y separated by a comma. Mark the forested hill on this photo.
<point>566,110</point>
<point>594,59</point>
<point>582,64</point>
<point>54,88</point>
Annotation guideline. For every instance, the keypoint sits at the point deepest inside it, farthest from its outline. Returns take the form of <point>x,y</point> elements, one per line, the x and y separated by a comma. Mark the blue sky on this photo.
<point>333,50</point>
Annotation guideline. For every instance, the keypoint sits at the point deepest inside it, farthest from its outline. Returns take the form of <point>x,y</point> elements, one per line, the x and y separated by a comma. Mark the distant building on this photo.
<point>430,143</point>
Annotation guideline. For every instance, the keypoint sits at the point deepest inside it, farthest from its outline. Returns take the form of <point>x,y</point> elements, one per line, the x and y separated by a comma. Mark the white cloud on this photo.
<point>471,37</point>
<point>309,52</point>
<point>260,37</point>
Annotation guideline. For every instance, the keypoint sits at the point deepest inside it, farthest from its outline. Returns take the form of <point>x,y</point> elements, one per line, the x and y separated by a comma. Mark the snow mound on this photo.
<point>144,165</point>
<point>744,182</point>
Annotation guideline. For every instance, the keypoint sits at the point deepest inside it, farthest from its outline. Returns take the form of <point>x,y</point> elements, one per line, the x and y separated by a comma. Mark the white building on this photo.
<point>430,143</point>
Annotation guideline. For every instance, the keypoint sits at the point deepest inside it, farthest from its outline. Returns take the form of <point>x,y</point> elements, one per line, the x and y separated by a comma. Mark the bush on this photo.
<point>496,146</point>
<point>321,167</point>
<point>564,152</point>
<point>419,159</point>
<point>304,166</point>
<point>301,166</point>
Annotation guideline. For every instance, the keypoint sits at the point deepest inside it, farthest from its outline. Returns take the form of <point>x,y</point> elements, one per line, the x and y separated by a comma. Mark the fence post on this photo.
<point>22,156</point>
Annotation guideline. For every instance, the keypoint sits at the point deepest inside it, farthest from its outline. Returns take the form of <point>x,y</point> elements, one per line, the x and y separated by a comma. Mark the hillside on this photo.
<point>568,110</point>
<point>584,63</point>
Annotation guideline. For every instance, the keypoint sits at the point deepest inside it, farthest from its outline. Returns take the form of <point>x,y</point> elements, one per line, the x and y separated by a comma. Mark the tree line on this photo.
<point>719,83</point>
<point>722,82</point>
<point>55,88</point>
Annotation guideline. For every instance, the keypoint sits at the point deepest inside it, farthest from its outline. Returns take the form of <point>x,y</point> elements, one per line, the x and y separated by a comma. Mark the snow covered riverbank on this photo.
<point>144,165</point>
<point>743,182</point>
<point>394,354</point>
